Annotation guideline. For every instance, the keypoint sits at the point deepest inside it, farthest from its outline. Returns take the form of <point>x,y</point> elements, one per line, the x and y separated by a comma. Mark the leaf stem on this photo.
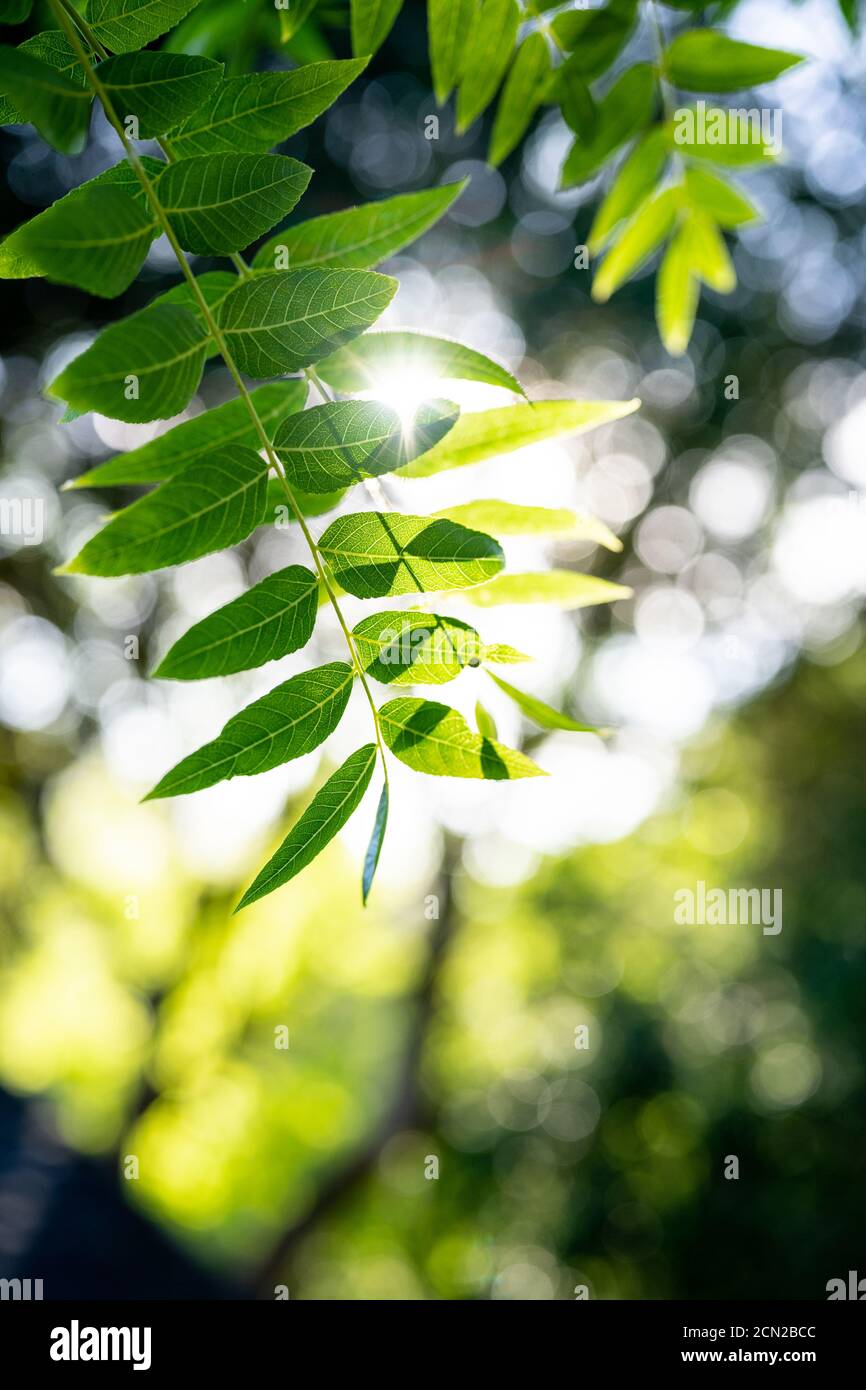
<point>64,14</point>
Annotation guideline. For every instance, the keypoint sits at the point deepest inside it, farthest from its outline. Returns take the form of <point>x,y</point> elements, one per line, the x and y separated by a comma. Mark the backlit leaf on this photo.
<point>704,60</point>
<point>526,87</point>
<point>725,204</point>
<point>15,264</point>
<point>343,442</point>
<point>375,554</point>
<point>435,739</point>
<point>625,109</point>
<point>538,711</point>
<point>510,519</point>
<point>557,588</point>
<point>391,358</point>
<point>402,647</point>
<point>487,433</point>
<point>642,236</point>
<point>487,56</point>
<point>371,23</point>
<point>448,26</point>
<point>634,182</point>
<point>51,47</point>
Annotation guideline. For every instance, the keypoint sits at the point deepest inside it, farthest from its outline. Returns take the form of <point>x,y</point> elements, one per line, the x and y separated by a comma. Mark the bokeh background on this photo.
<point>139,1020</point>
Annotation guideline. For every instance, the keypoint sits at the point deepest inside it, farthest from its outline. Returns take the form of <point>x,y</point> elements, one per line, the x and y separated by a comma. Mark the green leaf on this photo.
<point>403,647</point>
<point>485,722</point>
<point>327,813</point>
<point>374,849</point>
<point>538,711</point>
<point>371,23</point>
<point>488,433</point>
<point>726,205</point>
<point>596,35</point>
<point>503,655</point>
<point>15,264</point>
<point>283,321</point>
<point>57,105</point>
<point>676,294</point>
<point>708,254</point>
<point>257,110</point>
<point>376,554</point>
<point>51,47</point>
<point>194,440</point>
<point>486,57</point>
<point>703,60</point>
<point>435,739</point>
<point>97,241</point>
<point>308,503</point>
<point>158,89</point>
<point>124,25</point>
<point>642,236</point>
<point>270,620</point>
<point>343,442</point>
<point>219,203</point>
<point>360,237</point>
<point>214,286</point>
<point>719,135</point>
<point>146,367</point>
<point>15,11</point>
<point>509,519</point>
<point>291,21</point>
<point>448,26</point>
<point>625,109</point>
<point>397,355</point>
<point>289,721</point>
<point>556,588</point>
<point>526,87</point>
<point>634,182</point>
<point>196,512</point>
